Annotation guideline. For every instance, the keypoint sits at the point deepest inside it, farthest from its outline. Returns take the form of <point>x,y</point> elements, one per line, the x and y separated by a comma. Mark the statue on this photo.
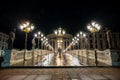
<point>108,33</point>
<point>33,43</point>
<point>11,39</point>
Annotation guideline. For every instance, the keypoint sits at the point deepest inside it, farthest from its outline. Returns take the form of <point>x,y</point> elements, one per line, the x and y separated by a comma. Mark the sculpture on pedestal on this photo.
<point>33,43</point>
<point>11,39</point>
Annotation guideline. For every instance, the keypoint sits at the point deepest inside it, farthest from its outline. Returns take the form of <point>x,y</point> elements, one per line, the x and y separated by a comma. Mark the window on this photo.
<point>0,38</point>
<point>91,46</point>
<point>90,36</point>
<point>91,41</point>
<point>100,35</point>
<point>96,46</point>
<point>101,44</point>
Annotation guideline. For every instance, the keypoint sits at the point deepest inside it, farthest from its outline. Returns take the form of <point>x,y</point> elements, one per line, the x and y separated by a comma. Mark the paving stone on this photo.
<point>5,77</point>
<point>30,77</point>
<point>17,77</point>
<point>73,74</point>
<point>112,76</point>
<point>60,74</point>
<point>97,77</point>
<point>85,77</point>
<point>43,77</point>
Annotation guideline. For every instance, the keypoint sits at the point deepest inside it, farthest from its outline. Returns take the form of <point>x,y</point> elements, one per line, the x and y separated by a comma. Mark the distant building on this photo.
<point>103,40</point>
<point>3,41</point>
<point>58,42</point>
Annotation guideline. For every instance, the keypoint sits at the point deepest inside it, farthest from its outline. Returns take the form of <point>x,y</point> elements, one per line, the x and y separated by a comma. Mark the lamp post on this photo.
<point>59,33</point>
<point>108,33</point>
<point>26,27</point>
<point>38,36</point>
<point>81,35</point>
<point>94,27</point>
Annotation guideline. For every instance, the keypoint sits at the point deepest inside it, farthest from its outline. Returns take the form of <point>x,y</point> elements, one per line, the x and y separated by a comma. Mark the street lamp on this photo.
<point>38,35</point>
<point>94,27</point>
<point>26,27</point>
<point>59,32</point>
<point>81,35</point>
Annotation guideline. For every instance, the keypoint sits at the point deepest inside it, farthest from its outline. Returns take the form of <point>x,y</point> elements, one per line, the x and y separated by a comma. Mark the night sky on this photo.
<point>48,15</point>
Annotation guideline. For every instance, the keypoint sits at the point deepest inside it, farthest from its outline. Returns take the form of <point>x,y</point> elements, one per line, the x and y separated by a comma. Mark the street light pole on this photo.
<point>96,61</point>
<point>94,27</point>
<point>108,38</point>
<point>26,27</point>
<point>26,40</point>
<point>38,43</point>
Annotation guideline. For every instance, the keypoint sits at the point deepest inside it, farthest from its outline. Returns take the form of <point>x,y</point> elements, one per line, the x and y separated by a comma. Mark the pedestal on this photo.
<point>7,57</point>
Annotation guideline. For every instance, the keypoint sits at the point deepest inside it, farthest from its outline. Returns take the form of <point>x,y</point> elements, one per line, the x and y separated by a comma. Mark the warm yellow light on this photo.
<point>59,31</point>
<point>41,39</point>
<point>27,23</point>
<point>77,39</point>
<point>59,41</point>
<point>32,27</point>
<point>84,35</point>
<point>21,27</point>
<point>28,29</point>
<point>39,32</point>
<point>80,32</point>
<point>42,35</point>
<point>91,29</point>
<point>63,32</point>
<point>78,35</point>
<point>73,39</point>
<point>99,27</point>
<point>96,25</point>
<point>93,23</point>
<point>35,35</point>
<point>24,25</point>
<point>55,31</point>
<point>46,39</point>
<point>88,27</point>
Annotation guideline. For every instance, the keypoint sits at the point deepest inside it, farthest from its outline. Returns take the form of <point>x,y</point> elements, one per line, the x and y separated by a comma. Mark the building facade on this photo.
<point>58,42</point>
<point>3,41</point>
<point>104,41</point>
<point>101,41</point>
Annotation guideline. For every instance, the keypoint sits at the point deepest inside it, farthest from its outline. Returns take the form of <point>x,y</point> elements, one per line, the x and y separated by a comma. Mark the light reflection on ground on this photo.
<point>59,60</point>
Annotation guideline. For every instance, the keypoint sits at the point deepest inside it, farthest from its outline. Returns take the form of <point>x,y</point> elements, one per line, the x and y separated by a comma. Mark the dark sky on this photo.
<point>47,15</point>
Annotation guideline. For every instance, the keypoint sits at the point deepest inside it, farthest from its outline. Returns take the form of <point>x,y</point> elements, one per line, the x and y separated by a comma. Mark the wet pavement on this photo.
<point>85,73</point>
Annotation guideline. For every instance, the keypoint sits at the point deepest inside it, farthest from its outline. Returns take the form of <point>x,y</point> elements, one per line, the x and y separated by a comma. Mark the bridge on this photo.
<point>49,58</point>
<point>62,49</point>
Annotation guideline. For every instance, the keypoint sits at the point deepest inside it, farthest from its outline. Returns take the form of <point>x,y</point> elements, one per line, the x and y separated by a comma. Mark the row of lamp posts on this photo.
<point>93,27</point>
<point>44,41</point>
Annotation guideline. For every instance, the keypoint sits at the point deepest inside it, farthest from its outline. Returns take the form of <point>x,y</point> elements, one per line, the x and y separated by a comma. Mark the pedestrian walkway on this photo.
<point>60,73</point>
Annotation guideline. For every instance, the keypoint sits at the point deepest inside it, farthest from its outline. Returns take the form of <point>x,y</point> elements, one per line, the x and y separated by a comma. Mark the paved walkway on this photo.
<point>60,74</point>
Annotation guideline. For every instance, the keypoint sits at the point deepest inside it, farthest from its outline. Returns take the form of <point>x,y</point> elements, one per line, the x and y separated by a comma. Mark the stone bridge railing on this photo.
<point>104,58</point>
<point>13,57</point>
